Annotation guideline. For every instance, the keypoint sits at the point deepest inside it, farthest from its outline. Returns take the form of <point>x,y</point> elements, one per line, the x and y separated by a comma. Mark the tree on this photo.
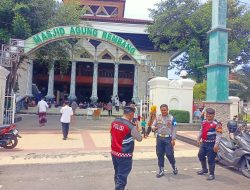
<point>241,87</point>
<point>61,51</point>
<point>21,28</point>
<point>182,25</point>
<point>23,18</point>
<point>199,92</point>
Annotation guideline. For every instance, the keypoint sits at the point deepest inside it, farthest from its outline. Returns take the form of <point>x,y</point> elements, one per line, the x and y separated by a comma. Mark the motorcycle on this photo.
<point>8,136</point>
<point>236,151</point>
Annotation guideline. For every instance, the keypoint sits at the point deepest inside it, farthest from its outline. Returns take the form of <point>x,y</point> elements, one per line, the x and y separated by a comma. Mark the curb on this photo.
<point>187,140</point>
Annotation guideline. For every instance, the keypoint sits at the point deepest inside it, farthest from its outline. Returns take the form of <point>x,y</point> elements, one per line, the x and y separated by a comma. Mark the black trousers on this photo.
<point>206,152</point>
<point>122,167</point>
<point>164,146</point>
<point>65,129</point>
<point>110,112</point>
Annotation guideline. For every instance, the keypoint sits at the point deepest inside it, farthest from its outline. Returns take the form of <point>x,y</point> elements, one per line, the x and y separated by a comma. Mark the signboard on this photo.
<point>58,33</point>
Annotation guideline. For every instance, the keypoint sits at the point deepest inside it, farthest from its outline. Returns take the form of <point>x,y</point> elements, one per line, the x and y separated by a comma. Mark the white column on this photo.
<point>72,95</point>
<point>115,85</point>
<point>29,79</point>
<point>94,97</point>
<point>234,106</point>
<point>135,88</point>
<point>3,76</point>
<point>50,93</point>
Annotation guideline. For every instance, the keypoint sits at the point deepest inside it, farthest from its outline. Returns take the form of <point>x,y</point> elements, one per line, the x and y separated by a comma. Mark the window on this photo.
<point>106,56</point>
<point>126,57</point>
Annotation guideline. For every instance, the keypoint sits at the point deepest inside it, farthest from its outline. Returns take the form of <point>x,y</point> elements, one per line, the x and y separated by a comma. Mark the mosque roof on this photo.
<point>117,20</point>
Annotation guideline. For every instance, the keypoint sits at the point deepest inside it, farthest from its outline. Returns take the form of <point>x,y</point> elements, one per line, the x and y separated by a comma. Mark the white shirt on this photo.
<point>66,112</point>
<point>42,106</point>
<point>123,103</point>
<point>117,103</point>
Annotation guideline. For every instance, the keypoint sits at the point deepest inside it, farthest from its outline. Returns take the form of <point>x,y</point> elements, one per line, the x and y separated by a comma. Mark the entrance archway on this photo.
<point>65,32</point>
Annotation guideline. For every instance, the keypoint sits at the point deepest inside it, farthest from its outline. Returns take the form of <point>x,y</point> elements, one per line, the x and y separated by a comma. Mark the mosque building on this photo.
<point>101,71</point>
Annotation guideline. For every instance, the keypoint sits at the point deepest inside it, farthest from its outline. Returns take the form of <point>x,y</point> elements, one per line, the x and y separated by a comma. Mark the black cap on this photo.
<point>128,109</point>
<point>210,111</point>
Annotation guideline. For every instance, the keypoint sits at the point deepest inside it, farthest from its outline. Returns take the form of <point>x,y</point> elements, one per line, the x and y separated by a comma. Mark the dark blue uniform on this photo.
<point>166,132</point>
<point>210,134</point>
<point>123,133</point>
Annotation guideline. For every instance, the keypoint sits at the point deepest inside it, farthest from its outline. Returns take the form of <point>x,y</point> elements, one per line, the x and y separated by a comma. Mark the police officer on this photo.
<point>208,141</point>
<point>123,132</point>
<point>165,124</point>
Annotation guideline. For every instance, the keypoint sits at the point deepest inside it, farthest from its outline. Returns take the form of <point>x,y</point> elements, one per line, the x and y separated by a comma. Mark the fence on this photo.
<point>9,109</point>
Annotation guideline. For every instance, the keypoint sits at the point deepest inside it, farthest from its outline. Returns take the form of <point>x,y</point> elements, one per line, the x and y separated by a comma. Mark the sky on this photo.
<point>132,10</point>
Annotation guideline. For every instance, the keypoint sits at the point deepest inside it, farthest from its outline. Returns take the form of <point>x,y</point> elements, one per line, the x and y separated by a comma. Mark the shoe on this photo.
<point>175,171</point>
<point>160,174</point>
<point>64,138</point>
<point>202,171</point>
<point>210,177</point>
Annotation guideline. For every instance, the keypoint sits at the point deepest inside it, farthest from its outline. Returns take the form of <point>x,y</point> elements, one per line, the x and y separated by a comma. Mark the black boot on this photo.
<point>160,173</point>
<point>211,172</point>
<point>204,169</point>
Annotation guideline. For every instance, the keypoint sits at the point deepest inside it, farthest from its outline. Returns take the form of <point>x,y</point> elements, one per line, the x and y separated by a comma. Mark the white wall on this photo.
<point>234,106</point>
<point>177,94</point>
<point>3,74</point>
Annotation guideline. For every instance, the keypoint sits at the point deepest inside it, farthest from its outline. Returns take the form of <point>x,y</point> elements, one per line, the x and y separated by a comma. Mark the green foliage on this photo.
<point>52,52</point>
<point>22,18</point>
<point>199,92</point>
<point>67,14</point>
<point>182,25</point>
<point>181,116</point>
<point>21,28</point>
<point>241,87</point>
<point>4,36</point>
<point>6,14</point>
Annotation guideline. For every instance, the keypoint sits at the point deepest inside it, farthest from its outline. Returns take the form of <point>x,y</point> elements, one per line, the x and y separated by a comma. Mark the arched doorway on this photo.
<point>84,32</point>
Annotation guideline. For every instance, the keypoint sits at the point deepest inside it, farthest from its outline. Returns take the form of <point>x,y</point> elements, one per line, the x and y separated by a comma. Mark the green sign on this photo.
<point>57,33</point>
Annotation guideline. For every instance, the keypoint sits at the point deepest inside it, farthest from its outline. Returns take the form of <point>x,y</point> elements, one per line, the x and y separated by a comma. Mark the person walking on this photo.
<point>165,124</point>
<point>208,140</point>
<point>123,104</point>
<point>109,108</point>
<point>66,118</point>
<point>117,104</point>
<point>123,133</point>
<point>42,107</point>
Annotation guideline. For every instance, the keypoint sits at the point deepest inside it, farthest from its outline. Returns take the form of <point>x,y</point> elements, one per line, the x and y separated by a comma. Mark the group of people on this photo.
<point>123,132</point>
<point>199,114</point>
<point>66,111</point>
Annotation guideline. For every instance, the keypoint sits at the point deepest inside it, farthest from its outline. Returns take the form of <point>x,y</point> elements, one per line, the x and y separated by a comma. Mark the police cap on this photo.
<point>128,109</point>
<point>210,111</point>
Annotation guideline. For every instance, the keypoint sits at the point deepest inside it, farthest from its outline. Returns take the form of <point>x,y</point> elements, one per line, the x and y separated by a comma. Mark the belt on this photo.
<point>160,135</point>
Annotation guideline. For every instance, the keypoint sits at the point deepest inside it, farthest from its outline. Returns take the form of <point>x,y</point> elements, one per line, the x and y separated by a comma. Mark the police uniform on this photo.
<point>166,132</point>
<point>210,134</point>
<point>123,133</point>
